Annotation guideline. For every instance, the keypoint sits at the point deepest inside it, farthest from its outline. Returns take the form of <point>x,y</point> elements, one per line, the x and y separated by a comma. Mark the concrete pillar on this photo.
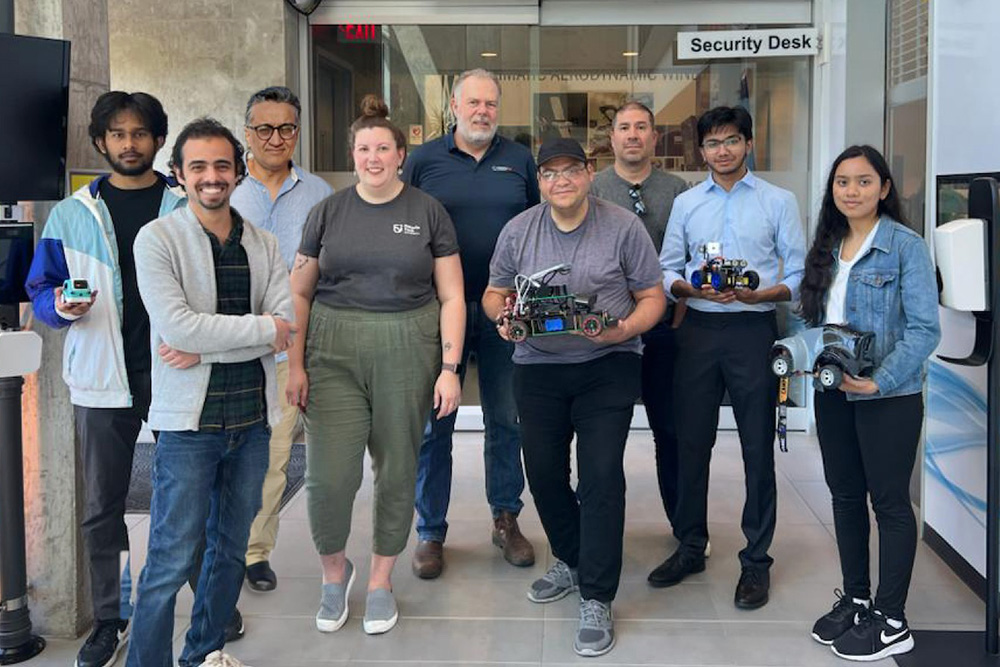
<point>57,578</point>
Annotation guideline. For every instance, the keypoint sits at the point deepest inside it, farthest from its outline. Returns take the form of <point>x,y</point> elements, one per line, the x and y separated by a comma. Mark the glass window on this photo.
<point>560,81</point>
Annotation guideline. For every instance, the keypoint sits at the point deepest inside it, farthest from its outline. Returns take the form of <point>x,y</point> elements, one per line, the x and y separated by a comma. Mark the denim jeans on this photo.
<point>202,483</point>
<point>502,448</point>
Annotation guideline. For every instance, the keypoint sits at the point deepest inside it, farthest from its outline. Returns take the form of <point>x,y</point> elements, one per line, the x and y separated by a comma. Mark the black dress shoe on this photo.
<point>751,592</point>
<point>674,569</point>
<point>234,628</point>
<point>261,578</point>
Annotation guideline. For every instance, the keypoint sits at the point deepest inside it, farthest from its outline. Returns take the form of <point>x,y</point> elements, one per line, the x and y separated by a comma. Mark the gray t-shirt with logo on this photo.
<point>377,257</point>
<point>610,255</point>
<point>657,191</point>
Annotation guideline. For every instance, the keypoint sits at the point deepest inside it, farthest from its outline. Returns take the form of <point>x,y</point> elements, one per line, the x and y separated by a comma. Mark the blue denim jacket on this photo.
<point>892,291</point>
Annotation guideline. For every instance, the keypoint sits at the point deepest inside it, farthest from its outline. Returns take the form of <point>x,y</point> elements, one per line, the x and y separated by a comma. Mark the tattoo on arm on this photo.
<point>447,346</point>
<point>299,263</point>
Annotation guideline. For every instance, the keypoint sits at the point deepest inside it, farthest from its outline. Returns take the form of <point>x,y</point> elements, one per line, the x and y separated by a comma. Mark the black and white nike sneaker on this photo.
<point>873,638</point>
<point>845,613</point>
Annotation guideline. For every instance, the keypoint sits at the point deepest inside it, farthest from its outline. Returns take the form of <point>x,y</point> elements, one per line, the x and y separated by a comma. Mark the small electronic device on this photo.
<point>76,290</point>
<point>828,352</point>
<point>542,309</point>
<point>722,273</point>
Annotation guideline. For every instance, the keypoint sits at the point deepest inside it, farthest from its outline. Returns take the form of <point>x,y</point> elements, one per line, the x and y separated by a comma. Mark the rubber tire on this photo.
<point>830,377</point>
<point>781,365</point>
<point>717,281</point>
<point>697,279</point>
<point>518,331</point>
<point>753,280</point>
<point>591,325</point>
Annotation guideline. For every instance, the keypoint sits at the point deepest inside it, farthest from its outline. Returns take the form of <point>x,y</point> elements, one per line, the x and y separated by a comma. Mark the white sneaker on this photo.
<point>220,659</point>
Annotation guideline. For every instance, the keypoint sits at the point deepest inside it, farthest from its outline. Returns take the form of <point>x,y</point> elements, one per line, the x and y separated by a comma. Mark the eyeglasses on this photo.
<point>728,142</point>
<point>264,132</point>
<point>551,175</point>
<point>638,205</point>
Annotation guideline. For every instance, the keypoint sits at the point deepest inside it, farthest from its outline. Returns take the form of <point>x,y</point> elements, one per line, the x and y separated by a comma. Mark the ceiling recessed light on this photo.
<point>630,54</point>
<point>488,54</point>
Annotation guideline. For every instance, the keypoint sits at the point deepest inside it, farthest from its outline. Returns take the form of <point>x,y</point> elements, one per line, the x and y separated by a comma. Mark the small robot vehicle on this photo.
<point>76,291</point>
<point>828,352</point>
<point>541,309</point>
<point>722,273</point>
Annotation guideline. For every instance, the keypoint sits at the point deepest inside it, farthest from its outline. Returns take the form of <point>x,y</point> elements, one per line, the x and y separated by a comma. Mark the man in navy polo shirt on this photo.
<point>483,180</point>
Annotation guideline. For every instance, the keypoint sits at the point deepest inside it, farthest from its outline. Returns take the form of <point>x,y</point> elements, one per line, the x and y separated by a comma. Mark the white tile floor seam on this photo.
<point>477,613</point>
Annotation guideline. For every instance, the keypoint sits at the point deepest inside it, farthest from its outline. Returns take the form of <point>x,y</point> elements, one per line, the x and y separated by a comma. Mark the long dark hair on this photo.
<point>832,229</point>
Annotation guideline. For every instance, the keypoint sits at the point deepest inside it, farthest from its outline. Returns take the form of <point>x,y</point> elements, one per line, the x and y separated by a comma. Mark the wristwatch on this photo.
<point>454,368</point>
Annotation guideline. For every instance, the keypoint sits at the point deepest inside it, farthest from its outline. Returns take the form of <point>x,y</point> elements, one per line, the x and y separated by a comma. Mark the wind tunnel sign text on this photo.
<point>747,43</point>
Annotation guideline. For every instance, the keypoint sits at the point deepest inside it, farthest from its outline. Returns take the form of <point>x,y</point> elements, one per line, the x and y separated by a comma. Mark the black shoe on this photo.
<point>234,628</point>
<point>261,578</point>
<point>873,639</point>
<point>838,620</point>
<point>103,644</point>
<point>673,570</point>
<point>751,592</point>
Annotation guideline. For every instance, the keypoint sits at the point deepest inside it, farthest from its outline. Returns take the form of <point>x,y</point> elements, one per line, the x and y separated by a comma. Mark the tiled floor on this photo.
<point>477,613</point>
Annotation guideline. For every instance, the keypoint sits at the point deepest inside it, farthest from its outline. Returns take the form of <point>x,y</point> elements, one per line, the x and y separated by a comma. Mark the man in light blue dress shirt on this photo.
<point>276,195</point>
<point>725,341</point>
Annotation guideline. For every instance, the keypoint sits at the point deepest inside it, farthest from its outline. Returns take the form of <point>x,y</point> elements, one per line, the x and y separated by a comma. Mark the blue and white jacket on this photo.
<point>79,242</point>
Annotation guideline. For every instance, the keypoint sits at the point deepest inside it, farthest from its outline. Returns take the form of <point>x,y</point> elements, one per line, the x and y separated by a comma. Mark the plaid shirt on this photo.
<point>235,396</point>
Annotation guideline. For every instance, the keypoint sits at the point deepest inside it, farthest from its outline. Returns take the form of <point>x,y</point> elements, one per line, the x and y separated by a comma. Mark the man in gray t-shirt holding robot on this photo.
<point>583,383</point>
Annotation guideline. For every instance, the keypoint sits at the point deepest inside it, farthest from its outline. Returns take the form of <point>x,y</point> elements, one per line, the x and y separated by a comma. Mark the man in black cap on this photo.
<point>576,384</point>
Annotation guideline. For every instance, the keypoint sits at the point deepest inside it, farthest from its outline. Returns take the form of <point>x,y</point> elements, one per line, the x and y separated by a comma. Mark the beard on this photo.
<point>120,167</point>
<point>473,136</point>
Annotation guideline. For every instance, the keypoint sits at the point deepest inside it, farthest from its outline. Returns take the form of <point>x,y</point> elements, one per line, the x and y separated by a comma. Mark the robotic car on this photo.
<point>828,352</point>
<point>541,309</point>
<point>76,291</point>
<point>721,273</point>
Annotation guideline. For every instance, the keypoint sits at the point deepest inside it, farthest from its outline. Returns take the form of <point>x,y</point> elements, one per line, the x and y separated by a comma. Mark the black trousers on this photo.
<point>718,352</point>
<point>658,355</point>
<point>107,443</point>
<point>869,448</point>
<point>593,400</point>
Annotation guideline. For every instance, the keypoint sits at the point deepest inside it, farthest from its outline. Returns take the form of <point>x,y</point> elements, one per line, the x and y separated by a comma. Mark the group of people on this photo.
<point>240,298</point>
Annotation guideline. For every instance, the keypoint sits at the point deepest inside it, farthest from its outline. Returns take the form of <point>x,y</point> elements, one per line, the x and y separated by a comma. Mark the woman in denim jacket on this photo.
<point>868,271</point>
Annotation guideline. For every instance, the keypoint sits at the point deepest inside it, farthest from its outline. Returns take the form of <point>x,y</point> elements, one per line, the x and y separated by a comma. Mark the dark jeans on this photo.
<point>593,400</point>
<point>107,444</point>
<point>658,356</point>
<point>869,448</point>
<point>717,352</point>
<point>205,484</point>
<point>501,447</point>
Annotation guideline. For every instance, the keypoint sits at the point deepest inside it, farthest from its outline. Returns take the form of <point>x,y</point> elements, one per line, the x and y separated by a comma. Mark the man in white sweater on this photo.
<point>216,289</point>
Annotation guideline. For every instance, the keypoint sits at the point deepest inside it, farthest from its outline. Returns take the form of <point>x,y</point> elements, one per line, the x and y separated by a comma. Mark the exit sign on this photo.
<point>359,32</point>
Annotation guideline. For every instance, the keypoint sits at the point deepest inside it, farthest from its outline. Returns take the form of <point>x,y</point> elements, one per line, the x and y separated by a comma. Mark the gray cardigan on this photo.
<point>174,270</point>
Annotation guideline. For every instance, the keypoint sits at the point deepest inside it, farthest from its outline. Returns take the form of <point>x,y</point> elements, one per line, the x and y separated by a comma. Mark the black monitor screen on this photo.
<point>17,244</point>
<point>34,78</point>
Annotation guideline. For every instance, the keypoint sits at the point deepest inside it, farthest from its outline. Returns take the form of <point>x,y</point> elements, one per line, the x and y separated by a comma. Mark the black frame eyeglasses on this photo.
<point>638,205</point>
<point>265,130</point>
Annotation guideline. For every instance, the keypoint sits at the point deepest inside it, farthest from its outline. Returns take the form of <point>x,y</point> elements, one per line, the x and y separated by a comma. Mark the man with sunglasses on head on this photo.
<point>632,183</point>
<point>725,341</point>
<point>276,196</point>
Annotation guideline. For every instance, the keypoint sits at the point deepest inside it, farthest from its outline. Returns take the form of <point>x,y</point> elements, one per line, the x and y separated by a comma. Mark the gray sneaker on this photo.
<point>381,613</point>
<point>555,584</point>
<point>596,635</point>
<point>332,612</point>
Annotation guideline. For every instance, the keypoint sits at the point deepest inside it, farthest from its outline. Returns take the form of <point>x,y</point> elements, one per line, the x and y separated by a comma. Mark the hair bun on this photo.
<point>372,106</point>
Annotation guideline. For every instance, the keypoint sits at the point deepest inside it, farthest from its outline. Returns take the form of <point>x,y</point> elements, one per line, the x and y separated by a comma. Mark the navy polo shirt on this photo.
<point>479,196</point>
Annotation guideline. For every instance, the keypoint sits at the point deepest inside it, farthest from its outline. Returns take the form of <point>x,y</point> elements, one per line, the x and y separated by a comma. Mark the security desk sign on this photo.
<point>747,43</point>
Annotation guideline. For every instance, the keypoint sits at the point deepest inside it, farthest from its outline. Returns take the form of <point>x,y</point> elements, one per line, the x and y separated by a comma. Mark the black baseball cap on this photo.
<point>562,147</point>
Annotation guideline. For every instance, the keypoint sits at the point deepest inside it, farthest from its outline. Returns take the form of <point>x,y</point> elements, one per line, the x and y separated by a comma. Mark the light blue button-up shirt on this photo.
<point>755,221</point>
<point>285,216</point>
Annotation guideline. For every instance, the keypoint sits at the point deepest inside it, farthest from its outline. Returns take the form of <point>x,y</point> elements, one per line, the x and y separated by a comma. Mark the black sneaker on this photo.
<point>838,620</point>
<point>676,568</point>
<point>873,639</point>
<point>234,628</point>
<point>102,646</point>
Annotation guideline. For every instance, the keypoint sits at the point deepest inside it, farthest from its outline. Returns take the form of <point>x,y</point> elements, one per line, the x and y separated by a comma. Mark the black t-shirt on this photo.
<point>130,210</point>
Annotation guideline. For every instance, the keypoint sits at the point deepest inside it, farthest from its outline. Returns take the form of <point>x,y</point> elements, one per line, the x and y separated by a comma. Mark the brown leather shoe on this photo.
<point>517,550</point>
<point>428,559</point>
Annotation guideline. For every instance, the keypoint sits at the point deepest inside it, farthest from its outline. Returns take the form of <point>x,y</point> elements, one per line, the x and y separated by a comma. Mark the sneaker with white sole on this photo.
<point>840,619</point>
<point>873,638</point>
<point>332,612</point>
<point>220,659</point>
<point>596,634</point>
<point>557,583</point>
<point>103,645</point>
<point>381,612</point>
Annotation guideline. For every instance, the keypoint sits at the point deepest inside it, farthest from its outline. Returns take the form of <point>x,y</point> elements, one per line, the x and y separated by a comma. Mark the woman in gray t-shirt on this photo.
<point>379,281</point>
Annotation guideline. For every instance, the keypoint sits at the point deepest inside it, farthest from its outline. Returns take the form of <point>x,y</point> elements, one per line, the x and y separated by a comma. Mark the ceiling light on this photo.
<point>488,54</point>
<point>630,54</point>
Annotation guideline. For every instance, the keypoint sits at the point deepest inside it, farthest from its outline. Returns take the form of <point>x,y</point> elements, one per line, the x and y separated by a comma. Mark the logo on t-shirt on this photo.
<point>409,230</point>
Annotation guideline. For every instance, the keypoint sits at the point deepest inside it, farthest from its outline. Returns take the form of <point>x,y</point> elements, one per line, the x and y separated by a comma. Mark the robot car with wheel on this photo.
<point>541,309</point>
<point>722,273</point>
<point>827,352</point>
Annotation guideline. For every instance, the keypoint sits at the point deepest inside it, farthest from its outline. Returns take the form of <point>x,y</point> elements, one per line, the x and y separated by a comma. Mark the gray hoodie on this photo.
<point>174,270</point>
